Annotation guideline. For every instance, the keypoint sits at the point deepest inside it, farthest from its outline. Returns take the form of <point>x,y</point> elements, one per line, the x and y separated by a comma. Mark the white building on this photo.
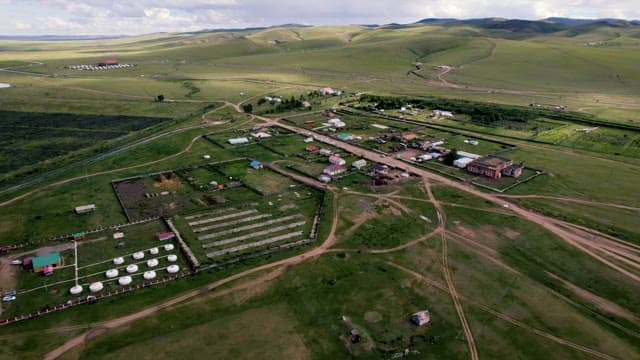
<point>442,113</point>
<point>83,209</point>
<point>359,164</point>
<point>238,141</point>
<point>261,135</point>
<point>335,122</point>
<point>308,139</point>
<point>468,154</point>
<point>462,162</point>
<point>324,178</point>
<point>333,170</point>
<point>329,91</point>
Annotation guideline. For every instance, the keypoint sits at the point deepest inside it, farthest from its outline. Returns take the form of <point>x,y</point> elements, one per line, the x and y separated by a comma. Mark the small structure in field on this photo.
<point>335,122</point>
<point>261,135</point>
<point>118,235</point>
<point>421,318</point>
<point>490,166</point>
<point>323,178</point>
<point>359,164</point>
<point>442,113</point>
<point>308,139</point>
<point>325,152</point>
<point>336,160</point>
<point>83,209</point>
<point>79,236</point>
<point>255,164</point>
<point>472,142</point>
<point>238,141</point>
<point>163,236</point>
<point>312,148</point>
<point>333,170</point>
<point>46,262</point>
<point>325,91</point>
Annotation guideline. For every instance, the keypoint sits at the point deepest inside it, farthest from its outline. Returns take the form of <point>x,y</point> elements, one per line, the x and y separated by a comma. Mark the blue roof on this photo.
<point>255,164</point>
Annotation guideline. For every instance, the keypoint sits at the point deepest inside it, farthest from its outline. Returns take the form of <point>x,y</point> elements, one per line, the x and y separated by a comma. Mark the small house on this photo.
<point>163,236</point>
<point>308,139</point>
<point>255,164</point>
<point>421,318</point>
<point>118,235</point>
<point>50,260</point>
<point>336,160</point>
<point>333,170</point>
<point>325,152</point>
<point>83,209</point>
<point>359,164</point>
<point>238,141</point>
<point>79,236</point>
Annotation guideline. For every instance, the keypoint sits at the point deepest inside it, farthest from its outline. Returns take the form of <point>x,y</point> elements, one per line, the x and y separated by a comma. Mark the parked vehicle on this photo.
<point>8,298</point>
<point>16,262</point>
<point>10,293</point>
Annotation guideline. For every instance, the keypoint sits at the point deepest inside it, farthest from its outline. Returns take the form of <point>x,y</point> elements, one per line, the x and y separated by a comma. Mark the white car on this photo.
<point>16,262</point>
<point>8,298</point>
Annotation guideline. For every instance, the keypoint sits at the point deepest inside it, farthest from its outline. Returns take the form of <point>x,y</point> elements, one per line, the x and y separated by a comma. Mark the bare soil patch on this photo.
<point>510,233</point>
<point>167,182</point>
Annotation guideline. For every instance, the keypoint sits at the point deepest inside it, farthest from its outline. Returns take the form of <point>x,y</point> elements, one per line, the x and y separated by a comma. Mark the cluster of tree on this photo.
<point>480,112</point>
<point>287,104</point>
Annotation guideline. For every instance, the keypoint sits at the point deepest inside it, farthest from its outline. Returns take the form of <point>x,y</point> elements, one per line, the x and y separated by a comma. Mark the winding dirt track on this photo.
<point>567,199</point>
<point>442,220</point>
<point>508,319</point>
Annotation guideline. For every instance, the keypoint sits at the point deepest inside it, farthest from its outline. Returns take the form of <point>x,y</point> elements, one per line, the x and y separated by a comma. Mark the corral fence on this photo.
<point>93,298</point>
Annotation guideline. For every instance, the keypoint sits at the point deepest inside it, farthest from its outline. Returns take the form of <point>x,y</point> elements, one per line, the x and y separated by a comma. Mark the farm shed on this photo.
<point>48,260</point>
<point>238,141</point>
<point>118,235</point>
<point>165,236</point>
<point>462,162</point>
<point>83,209</point>
<point>421,318</point>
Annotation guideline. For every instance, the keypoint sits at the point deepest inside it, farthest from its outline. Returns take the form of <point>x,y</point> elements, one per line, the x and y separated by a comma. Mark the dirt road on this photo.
<point>508,319</point>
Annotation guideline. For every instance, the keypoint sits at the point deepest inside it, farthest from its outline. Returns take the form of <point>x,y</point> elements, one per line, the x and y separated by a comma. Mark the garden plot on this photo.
<point>238,232</point>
